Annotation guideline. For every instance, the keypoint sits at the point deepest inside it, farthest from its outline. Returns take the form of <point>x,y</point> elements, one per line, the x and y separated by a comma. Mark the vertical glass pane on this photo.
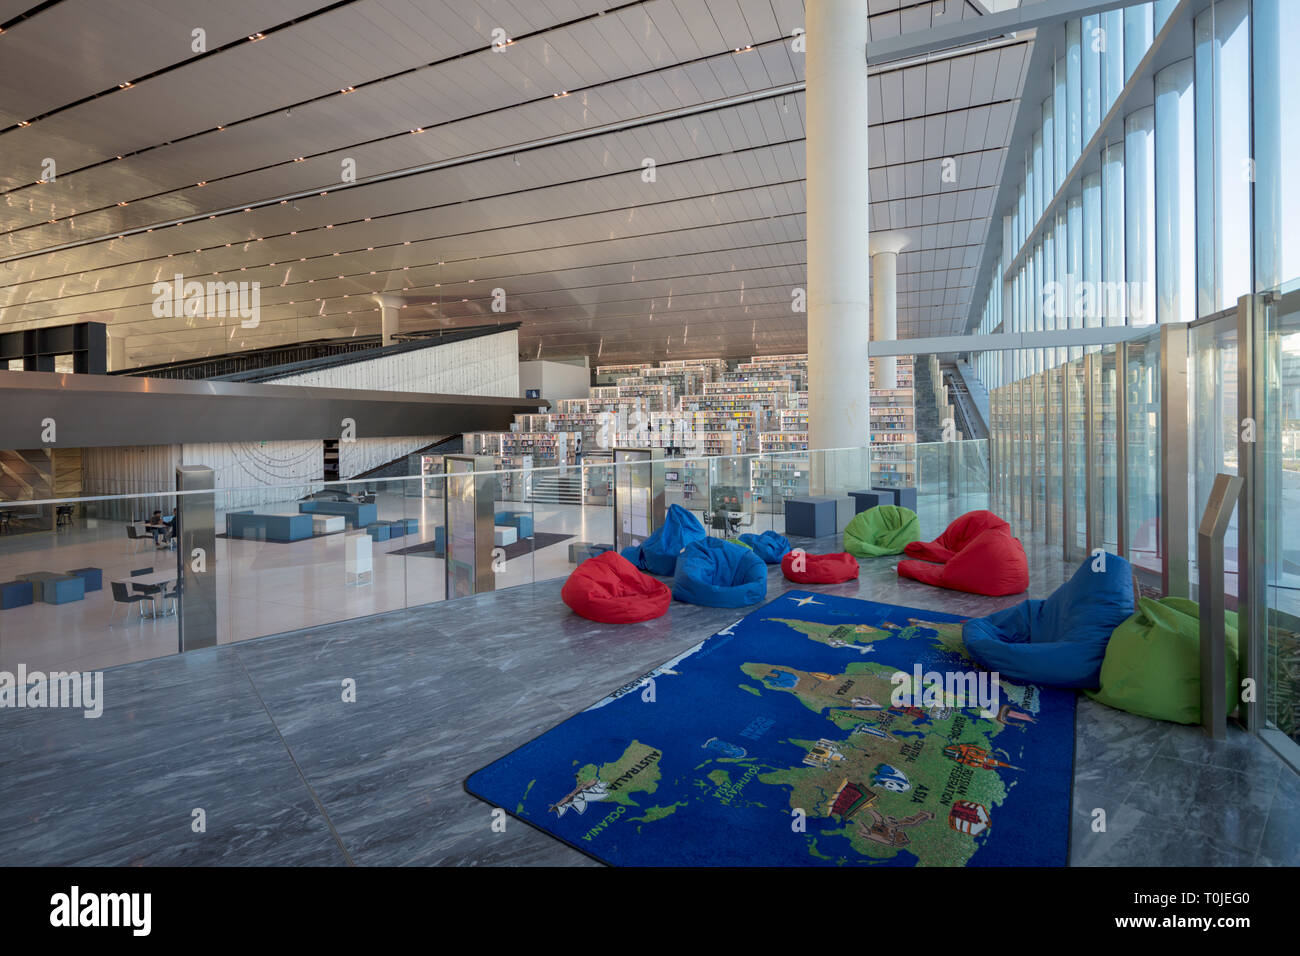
<point>1038,419</point>
<point>1223,155</point>
<point>1060,145</point>
<point>1280,432</point>
<point>1112,57</point>
<point>1074,87</point>
<point>1139,27</point>
<point>1142,455</point>
<point>1104,434</point>
<point>1140,215</point>
<point>1213,435</point>
<point>1047,176</point>
<point>1037,188</point>
<point>1114,308</point>
<point>1077,455</point>
<point>1276,98</point>
<point>1093,42</point>
<point>1075,266</point>
<point>1163,9</point>
<point>1092,240</point>
<point>1175,194</point>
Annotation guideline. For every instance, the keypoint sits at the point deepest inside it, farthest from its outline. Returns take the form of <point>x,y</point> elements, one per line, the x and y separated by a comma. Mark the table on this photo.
<point>151,584</point>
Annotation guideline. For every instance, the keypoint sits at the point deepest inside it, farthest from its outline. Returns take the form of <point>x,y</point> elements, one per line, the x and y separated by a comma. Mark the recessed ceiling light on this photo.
<point>24,122</point>
<point>559,94</point>
<point>299,159</point>
<point>122,203</point>
<point>125,86</point>
<point>330,226</point>
<point>203,183</point>
<point>294,233</point>
<point>347,89</point>
<point>418,129</point>
<point>253,38</point>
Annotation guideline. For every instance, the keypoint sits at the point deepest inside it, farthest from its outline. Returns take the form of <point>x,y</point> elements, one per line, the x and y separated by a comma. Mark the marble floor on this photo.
<point>257,736</point>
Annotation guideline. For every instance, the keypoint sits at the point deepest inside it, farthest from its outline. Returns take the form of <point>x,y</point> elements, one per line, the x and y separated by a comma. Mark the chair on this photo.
<point>608,589</point>
<point>1060,641</point>
<point>122,596</point>
<point>885,529</point>
<point>174,595</point>
<point>150,591</point>
<point>63,516</point>
<point>658,553</point>
<point>994,563</point>
<point>715,573</point>
<point>134,534</point>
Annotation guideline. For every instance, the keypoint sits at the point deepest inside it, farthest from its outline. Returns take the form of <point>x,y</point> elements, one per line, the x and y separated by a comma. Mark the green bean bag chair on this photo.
<point>884,529</point>
<point>1153,662</point>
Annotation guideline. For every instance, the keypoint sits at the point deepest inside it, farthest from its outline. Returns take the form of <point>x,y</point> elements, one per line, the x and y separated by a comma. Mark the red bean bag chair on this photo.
<point>820,568</point>
<point>956,536</point>
<point>609,589</point>
<point>994,564</point>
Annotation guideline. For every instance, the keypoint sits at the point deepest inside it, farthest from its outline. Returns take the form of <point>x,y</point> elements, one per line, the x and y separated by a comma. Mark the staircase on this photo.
<point>928,427</point>
<point>549,488</point>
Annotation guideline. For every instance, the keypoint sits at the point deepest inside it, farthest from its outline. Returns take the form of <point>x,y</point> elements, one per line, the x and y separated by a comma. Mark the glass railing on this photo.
<point>91,582</point>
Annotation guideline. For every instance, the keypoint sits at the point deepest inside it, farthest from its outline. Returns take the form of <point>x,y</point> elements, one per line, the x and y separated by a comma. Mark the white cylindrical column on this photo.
<point>838,283</point>
<point>388,314</point>
<point>885,248</point>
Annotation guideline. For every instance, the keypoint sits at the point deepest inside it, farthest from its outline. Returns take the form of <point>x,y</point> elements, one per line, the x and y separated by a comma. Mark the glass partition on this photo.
<point>1103,451</point>
<point>1142,455</point>
<point>1076,459</point>
<point>1212,437</point>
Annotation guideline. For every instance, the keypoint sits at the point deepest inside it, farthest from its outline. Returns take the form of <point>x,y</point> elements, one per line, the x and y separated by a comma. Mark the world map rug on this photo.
<point>815,730</point>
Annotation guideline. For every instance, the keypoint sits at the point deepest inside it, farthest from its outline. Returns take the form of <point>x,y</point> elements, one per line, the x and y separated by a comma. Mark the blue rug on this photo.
<point>791,738</point>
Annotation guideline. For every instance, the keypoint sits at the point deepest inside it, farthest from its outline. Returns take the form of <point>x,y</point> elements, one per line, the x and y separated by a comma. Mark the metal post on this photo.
<point>1121,450</point>
<point>196,558</point>
<point>1090,456</point>
<point>1067,476</point>
<point>1175,580</point>
<point>1213,626</point>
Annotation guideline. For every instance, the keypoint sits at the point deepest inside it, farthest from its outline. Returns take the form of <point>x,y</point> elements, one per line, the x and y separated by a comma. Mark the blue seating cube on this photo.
<point>380,532</point>
<point>396,529</point>
<point>64,590</point>
<point>440,541</point>
<point>94,578</point>
<point>16,594</point>
<point>903,497</point>
<point>521,521</point>
<point>865,500</point>
<point>811,517</point>
<point>412,525</point>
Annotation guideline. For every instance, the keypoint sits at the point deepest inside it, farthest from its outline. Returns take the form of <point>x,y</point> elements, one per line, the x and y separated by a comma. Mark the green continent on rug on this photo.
<point>817,730</point>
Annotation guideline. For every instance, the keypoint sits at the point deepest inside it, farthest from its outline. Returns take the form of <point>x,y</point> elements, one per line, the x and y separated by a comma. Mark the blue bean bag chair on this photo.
<point>769,545</point>
<point>1059,642</point>
<point>716,573</point>
<point>658,553</point>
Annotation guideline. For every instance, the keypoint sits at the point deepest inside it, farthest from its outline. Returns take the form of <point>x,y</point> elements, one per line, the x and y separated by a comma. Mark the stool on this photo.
<point>863,500</point>
<point>503,534</point>
<point>810,517</point>
<point>63,590</point>
<point>16,594</point>
<point>903,497</point>
<point>93,577</point>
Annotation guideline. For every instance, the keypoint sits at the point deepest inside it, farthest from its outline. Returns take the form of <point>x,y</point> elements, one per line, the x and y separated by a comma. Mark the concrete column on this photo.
<point>838,282</point>
<point>885,248</point>
<point>389,306</point>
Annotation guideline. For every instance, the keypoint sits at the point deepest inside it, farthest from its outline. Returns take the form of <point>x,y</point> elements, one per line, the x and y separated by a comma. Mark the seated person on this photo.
<point>157,527</point>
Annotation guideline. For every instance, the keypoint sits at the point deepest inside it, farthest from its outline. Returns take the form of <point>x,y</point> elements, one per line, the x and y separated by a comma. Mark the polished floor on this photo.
<point>257,735</point>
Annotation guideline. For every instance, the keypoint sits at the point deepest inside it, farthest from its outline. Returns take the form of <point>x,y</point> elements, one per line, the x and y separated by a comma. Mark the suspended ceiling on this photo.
<point>521,168</point>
